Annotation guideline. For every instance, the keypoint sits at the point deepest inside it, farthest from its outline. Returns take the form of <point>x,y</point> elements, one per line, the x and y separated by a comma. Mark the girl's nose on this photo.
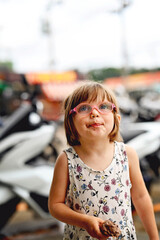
<point>94,113</point>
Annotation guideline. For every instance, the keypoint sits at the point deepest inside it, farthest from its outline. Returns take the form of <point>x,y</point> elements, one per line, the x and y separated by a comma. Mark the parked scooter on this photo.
<point>149,107</point>
<point>128,106</point>
<point>24,172</point>
<point>144,137</point>
<point>148,101</point>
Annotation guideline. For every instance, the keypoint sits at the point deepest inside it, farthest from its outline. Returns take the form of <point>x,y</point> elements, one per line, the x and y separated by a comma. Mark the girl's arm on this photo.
<point>60,210</point>
<point>140,196</point>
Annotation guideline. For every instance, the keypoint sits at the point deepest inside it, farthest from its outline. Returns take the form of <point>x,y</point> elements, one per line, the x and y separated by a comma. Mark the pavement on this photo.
<point>24,226</point>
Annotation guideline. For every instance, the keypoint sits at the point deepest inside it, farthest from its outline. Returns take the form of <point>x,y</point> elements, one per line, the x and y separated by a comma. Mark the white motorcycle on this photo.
<point>144,137</point>
<point>24,172</point>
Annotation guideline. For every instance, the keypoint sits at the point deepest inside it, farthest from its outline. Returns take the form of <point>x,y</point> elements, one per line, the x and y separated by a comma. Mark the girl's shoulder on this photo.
<point>120,146</point>
<point>68,150</point>
<point>131,154</point>
<point>61,161</point>
<point>129,150</point>
<point>70,153</point>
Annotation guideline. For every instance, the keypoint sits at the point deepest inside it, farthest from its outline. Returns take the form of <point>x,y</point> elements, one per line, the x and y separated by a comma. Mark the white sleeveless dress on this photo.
<point>104,194</point>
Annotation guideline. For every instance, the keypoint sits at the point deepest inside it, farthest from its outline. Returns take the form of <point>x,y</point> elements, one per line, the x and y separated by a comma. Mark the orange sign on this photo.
<point>53,77</point>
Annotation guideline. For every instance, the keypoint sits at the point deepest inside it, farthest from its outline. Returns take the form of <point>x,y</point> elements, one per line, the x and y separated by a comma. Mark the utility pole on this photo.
<point>120,11</point>
<point>124,5</point>
<point>47,29</point>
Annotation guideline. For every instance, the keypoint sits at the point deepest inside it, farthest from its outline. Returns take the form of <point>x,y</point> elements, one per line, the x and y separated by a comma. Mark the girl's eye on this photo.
<point>84,108</point>
<point>104,106</point>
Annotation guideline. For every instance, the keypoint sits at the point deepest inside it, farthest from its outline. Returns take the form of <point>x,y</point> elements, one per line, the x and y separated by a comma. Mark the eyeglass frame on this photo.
<point>74,110</point>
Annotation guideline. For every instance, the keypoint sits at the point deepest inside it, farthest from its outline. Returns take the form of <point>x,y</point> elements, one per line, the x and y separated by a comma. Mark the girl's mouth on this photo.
<point>95,125</point>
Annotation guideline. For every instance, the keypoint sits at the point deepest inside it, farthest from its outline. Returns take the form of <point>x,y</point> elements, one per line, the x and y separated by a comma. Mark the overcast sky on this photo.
<point>86,34</point>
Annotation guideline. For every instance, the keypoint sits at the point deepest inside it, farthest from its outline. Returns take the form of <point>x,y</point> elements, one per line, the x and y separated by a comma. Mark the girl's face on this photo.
<point>96,124</point>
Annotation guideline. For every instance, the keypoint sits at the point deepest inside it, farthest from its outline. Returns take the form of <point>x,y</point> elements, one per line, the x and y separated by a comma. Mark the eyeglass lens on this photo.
<point>87,108</point>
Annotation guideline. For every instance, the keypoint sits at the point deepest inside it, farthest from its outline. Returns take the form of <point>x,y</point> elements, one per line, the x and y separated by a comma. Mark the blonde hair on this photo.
<point>89,91</point>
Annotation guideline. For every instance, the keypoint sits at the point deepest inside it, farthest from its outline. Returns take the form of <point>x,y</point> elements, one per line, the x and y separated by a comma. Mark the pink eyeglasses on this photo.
<point>86,108</point>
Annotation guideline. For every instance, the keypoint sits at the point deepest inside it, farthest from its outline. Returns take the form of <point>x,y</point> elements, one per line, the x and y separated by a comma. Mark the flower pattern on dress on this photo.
<point>104,194</point>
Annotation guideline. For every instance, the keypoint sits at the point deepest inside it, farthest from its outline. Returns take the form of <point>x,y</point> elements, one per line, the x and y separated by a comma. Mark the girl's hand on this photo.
<point>93,227</point>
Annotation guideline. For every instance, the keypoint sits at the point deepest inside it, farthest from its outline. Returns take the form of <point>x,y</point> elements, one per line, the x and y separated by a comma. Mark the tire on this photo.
<point>7,209</point>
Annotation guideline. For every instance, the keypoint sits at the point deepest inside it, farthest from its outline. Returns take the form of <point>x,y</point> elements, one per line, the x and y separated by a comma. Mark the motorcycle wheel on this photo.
<point>7,209</point>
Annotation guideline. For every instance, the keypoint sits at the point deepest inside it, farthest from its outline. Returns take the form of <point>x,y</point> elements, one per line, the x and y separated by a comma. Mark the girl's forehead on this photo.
<point>91,95</point>
<point>97,100</point>
<point>97,97</point>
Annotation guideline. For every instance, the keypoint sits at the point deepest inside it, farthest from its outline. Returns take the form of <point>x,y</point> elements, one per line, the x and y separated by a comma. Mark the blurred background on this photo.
<point>47,48</point>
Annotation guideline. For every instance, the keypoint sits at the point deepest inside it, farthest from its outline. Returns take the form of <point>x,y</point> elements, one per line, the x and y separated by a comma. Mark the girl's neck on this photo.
<point>97,156</point>
<point>93,147</point>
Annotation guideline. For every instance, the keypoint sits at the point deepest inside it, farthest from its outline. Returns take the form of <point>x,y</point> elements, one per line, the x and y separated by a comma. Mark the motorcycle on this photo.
<point>148,101</point>
<point>127,105</point>
<point>25,173</point>
<point>144,137</point>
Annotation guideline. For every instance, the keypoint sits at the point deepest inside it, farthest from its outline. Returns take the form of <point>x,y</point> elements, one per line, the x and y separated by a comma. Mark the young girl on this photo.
<point>96,176</point>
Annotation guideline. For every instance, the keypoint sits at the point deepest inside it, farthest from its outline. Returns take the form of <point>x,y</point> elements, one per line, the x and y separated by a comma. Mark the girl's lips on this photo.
<point>95,125</point>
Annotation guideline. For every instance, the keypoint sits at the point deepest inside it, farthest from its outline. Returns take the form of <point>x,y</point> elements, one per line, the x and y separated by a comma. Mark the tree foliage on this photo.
<point>6,66</point>
<point>103,73</point>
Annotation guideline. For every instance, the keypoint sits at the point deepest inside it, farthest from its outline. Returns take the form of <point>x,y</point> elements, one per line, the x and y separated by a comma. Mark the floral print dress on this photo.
<point>104,194</point>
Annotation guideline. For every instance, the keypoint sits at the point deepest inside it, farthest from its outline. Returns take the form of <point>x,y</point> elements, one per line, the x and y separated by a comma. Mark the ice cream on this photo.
<point>110,229</point>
